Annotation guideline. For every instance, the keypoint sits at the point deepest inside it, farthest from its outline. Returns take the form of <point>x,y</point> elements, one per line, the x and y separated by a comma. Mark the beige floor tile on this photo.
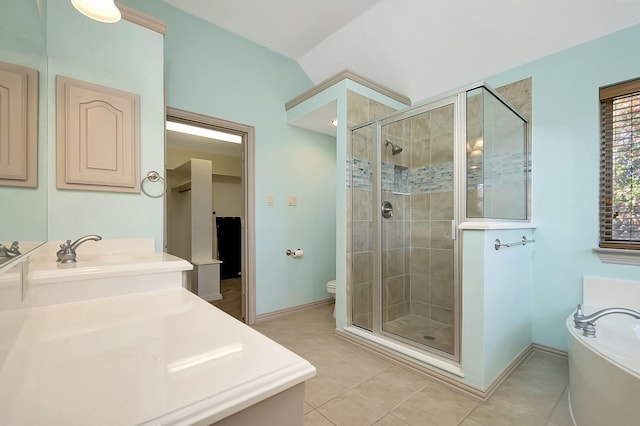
<point>280,334</point>
<point>515,393</point>
<point>324,358</point>
<point>340,345</point>
<point>552,385</point>
<point>303,345</point>
<point>360,368</point>
<point>435,405</point>
<point>546,363</point>
<point>355,387</point>
<point>390,420</point>
<point>307,407</point>
<point>323,388</point>
<point>313,418</point>
<point>502,414</point>
<point>543,372</point>
<point>351,409</point>
<point>391,387</point>
<point>469,422</point>
<point>561,415</point>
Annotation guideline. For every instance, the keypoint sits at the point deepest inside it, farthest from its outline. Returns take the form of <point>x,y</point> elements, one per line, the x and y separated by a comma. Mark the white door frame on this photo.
<point>248,263</point>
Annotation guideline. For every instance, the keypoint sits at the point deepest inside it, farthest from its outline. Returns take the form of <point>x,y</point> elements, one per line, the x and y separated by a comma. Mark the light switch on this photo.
<point>293,200</point>
<point>269,199</point>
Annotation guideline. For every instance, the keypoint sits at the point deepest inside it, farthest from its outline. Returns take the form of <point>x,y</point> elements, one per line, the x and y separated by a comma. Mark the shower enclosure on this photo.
<point>414,177</point>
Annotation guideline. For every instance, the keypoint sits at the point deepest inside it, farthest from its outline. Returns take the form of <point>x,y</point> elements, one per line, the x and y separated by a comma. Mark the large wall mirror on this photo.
<point>22,42</point>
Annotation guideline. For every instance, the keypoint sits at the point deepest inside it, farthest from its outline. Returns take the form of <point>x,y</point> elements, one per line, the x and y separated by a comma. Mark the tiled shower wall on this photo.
<point>417,252</point>
<point>431,212</point>
<point>360,220</point>
<point>396,253</point>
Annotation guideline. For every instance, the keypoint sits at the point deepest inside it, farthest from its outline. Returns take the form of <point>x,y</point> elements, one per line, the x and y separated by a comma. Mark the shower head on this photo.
<point>395,149</point>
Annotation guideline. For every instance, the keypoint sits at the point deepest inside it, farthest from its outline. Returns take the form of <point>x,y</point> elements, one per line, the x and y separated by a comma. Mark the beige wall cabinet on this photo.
<point>98,137</point>
<point>18,126</point>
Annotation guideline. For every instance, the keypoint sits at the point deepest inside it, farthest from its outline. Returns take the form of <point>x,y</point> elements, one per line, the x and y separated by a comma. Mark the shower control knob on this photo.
<point>387,209</point>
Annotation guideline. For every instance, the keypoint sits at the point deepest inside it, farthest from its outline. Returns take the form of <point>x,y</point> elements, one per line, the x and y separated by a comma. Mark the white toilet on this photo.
<point>331,288</point>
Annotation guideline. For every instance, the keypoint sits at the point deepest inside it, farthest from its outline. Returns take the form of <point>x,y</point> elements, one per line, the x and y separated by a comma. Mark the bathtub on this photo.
<point>604,372</point>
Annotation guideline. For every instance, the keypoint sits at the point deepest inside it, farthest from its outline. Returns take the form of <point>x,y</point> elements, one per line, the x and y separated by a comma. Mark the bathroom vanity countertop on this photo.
<point>159,357</point>
<point>45,269</point>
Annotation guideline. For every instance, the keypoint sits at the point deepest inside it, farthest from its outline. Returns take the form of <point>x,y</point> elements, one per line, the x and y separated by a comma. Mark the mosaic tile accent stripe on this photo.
<point>398,179</point>
<point>506,168</point>
<point>499,170</point>
<point>431,178</point>
<point>362,177</point>
<point>395,178</point>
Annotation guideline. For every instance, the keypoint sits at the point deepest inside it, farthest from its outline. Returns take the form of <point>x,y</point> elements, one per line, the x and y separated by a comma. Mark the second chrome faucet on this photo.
<point>587,323</point>
<point>67,252</point>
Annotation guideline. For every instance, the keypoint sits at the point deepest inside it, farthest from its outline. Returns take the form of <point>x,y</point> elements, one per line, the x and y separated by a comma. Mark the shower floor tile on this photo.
<point>422,331</point>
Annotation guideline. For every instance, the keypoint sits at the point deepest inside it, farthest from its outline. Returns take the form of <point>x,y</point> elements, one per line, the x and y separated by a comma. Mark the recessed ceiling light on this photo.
<point>205,133</point>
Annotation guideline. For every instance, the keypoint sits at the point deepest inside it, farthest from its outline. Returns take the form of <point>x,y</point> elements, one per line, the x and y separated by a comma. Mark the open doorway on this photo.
<point>209,210</point>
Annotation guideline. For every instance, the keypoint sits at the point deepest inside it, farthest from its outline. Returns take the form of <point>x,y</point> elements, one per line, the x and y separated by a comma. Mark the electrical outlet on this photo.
<point>293,200</point>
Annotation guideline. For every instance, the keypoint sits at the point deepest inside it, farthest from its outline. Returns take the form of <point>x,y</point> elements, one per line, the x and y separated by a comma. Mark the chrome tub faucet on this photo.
<point>588,323</point>
<point>67,252</point>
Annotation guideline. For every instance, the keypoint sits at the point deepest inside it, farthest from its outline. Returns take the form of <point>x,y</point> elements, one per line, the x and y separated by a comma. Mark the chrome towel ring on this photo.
<point>154,176</point>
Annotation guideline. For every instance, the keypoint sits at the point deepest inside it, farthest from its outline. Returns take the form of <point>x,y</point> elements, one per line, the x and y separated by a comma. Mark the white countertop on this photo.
<point>159,357</point>
<point>45,270</point>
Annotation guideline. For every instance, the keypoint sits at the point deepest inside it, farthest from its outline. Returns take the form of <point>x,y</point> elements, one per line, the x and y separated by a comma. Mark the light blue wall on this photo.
<point>507,292</point>
<point>213,72</point>
<point>122,56</point>
<point>24,214</point>
<point>338,93</point>
<point>566,172</point>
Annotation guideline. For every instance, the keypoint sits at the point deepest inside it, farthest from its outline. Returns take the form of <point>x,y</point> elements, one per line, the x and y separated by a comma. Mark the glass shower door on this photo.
<point>417,272</point>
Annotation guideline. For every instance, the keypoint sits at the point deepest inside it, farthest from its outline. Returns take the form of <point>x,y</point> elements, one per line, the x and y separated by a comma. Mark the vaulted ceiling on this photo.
<point>416,47</point>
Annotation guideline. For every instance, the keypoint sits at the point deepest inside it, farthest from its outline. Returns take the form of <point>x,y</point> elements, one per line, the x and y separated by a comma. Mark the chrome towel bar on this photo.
<point>497,244</point>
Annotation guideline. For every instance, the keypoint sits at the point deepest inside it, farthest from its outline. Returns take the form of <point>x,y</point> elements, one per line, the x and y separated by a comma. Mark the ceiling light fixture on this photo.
<point>205,133</point>
<point>100,10</point>
<point>334,122</point>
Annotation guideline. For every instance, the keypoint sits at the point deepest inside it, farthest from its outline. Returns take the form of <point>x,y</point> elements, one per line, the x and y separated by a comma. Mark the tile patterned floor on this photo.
<point>354,387</point>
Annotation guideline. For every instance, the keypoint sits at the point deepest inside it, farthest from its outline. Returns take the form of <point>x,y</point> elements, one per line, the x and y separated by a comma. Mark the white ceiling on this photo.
<point>416,47</point>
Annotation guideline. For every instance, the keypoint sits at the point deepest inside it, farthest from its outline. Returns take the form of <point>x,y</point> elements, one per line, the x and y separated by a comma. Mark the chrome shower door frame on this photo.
<point>458,100</point>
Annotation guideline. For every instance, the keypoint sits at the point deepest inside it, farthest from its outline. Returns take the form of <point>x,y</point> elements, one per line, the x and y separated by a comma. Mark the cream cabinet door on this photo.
<point>18,125</point>
<point>98,137</point>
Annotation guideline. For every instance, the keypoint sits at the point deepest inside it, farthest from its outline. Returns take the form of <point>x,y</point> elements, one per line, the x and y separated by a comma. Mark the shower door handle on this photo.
<point>387,209</point>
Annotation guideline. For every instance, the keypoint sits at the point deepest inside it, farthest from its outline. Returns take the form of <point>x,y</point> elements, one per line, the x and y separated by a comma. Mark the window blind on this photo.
<point>620,166</point>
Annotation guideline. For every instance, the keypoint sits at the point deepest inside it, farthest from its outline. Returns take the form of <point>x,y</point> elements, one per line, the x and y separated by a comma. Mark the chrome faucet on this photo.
<point>67,252</point>
<point>12,251</point>
<point>588,323</point>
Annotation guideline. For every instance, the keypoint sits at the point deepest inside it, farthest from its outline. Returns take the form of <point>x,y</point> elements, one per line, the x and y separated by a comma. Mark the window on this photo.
<point>620,166</point>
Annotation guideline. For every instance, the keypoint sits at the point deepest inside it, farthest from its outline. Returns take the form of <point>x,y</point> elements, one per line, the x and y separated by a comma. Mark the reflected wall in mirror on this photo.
<point>22,43</point>
<point>126,56</point>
